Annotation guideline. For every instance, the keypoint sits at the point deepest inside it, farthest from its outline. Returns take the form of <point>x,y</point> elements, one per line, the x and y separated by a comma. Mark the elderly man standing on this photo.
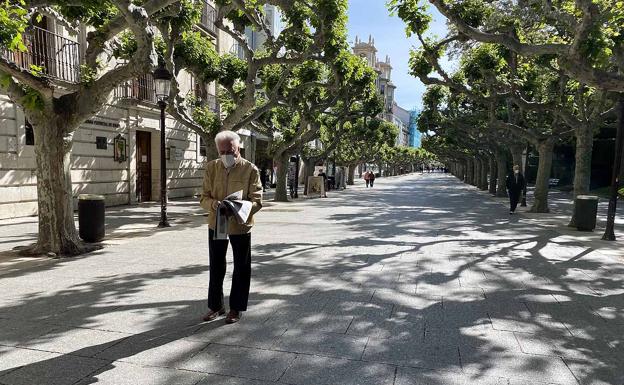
<point>224,176</point>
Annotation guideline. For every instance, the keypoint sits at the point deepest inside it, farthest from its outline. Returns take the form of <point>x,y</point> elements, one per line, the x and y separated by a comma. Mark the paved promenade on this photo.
<point>421,280</point>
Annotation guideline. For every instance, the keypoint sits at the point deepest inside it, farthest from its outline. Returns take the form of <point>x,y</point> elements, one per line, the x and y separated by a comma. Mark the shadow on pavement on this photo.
<point>420,280</point>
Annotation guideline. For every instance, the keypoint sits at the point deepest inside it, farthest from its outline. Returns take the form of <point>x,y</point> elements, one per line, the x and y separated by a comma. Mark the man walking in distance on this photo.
<point>515,184</point>
<point>224,176</point>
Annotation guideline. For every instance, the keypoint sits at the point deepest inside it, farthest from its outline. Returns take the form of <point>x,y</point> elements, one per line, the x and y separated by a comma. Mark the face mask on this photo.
<point>228,160</point>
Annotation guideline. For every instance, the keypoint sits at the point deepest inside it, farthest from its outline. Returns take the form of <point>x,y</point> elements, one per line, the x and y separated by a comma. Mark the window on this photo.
<point>269,20</point>
<point>202,146</point>
<point>30,133</point>
<point>199,88</point>
<point>101,143</point>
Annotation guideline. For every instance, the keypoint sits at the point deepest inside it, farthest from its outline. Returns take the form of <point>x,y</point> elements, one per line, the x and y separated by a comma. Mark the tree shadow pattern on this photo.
<point>422,280</point>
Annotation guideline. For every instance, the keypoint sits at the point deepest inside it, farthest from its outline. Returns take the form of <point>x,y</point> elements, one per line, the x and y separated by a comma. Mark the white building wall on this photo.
<point>94,171</point>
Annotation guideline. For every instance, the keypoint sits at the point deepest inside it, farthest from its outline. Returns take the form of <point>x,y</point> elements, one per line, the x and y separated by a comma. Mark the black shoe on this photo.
<point>233,317</point>
<point>212,314</point>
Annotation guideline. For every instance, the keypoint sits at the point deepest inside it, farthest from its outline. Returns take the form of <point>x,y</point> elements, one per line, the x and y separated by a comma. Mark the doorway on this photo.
<point>144,166</point>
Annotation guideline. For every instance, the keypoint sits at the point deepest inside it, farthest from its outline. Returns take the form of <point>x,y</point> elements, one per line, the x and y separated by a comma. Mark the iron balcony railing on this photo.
<point>206,99</point>
<point>140,89</point>
<point>211,101</point>
<point>56,55</point>
<point>238,51</point>
<point>208,17</point>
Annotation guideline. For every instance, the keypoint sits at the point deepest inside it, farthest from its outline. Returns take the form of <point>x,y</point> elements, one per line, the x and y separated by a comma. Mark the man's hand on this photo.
<point>215,204</point>
<point>225,209</point>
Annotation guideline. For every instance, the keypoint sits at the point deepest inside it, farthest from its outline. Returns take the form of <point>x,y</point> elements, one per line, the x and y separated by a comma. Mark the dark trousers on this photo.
<point>514,198</point>
<point>241,277</point>
<point>367,183</point>
<point>371,182</point>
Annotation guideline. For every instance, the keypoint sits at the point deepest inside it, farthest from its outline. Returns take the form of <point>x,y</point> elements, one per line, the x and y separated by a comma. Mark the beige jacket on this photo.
<point>220,182</point>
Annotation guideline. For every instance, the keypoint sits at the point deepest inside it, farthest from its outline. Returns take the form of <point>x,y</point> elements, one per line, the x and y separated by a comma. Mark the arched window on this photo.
<point>29,133</point>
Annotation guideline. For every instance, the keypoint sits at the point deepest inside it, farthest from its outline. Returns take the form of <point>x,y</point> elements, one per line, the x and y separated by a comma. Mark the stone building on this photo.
<point>401,118</point>
<point>131,117</point>
<point>367,51</point>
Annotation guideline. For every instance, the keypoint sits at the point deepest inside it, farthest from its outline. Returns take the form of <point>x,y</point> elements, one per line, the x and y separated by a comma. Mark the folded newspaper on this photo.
<point>239,208</point>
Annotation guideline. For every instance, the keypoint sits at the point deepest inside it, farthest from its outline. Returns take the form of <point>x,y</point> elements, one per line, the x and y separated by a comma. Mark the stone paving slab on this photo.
<point>421,280</point>
<point>312,370</point>
<point>121,373</point>
<point>258,364</point>
<point>411,376</point>
<point>163,352</point>
<point>324,344</point>
<point>57,370</point>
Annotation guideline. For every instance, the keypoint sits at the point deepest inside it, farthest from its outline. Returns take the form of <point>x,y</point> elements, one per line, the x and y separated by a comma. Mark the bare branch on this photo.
<point>39,84</point>
<point>15,91</point>
<point>97,40</point>
<point>257,19</point>
<point>507,40</point>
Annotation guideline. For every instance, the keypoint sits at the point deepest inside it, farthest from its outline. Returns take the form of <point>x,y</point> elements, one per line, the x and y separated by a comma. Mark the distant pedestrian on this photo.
<point>322,174</point>
<point>367,178</point>
<point>224,176</point>
<point>371,179</point>
<point>263,178</point>
<point>515,184</point>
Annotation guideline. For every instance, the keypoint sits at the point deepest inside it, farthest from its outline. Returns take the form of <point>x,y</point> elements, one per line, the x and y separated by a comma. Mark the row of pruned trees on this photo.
<point>532,71</point>
<point>301,83</point>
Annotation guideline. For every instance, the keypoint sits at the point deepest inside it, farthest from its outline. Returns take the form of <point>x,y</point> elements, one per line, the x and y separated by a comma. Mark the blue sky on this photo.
<point>371,17</point>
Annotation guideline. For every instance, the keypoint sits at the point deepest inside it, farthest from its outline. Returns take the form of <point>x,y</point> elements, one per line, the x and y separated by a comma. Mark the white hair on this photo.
<point>227,136</point>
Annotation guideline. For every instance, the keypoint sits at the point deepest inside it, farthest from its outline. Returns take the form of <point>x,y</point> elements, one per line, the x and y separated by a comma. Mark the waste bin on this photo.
<point>586,207</point>
<point>91,217</point>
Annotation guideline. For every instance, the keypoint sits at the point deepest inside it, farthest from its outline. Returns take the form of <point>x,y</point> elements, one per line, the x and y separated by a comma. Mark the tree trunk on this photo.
<point>57,230</point>
<point>281,193</point>
<point>545,149</point>
<point>582,170</point>
<point>351,177</point>
<point>483,183</point>
<point>308,167</point>
<point>501,168</point>
<point>516,155</point>
<point>477,172</point>
<point>461,168</point>
<point>493,175</point>
<point>469,171</point>
<point>609,234</point>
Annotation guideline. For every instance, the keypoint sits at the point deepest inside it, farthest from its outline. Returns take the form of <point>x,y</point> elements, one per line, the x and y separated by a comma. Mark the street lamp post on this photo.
<point>162,84</point>
<point>297,178</point>
<point>525,160</point>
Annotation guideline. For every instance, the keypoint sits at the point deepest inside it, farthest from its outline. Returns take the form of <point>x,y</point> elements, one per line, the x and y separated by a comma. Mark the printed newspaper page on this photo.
<point>240,208</point>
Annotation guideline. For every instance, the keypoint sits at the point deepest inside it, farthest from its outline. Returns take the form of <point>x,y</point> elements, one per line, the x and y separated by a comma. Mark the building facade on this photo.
<point>391,111</point>
<point>401,117</point>
<point>116,153</point>
<point>414,134</point>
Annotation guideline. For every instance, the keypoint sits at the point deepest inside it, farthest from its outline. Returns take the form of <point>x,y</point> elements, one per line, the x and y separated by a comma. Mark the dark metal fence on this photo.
<point>208,17</point>
<point>211,101</point>
<point>58,56</point>
<point>141,88</point>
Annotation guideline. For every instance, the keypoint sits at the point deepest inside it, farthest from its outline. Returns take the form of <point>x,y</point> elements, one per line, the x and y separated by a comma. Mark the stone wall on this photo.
<point>95,171</point>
